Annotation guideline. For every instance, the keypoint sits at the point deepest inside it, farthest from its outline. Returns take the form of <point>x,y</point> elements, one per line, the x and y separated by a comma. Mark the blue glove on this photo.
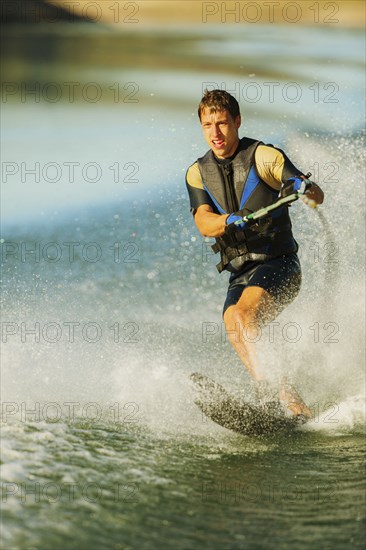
<point>295,184</point>
<point>236,217</point>
<point>298,184</point>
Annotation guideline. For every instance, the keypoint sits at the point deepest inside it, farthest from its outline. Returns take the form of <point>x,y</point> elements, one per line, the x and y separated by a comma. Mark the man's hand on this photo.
<point>236,217</point>
<point>296,184</point>
<point>312,194</point>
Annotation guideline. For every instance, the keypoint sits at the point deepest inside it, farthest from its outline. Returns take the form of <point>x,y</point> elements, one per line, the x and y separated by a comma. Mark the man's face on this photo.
<point>221,132</point>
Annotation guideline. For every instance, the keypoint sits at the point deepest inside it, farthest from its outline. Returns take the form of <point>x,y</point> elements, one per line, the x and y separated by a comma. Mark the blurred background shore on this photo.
<point>346,13</point>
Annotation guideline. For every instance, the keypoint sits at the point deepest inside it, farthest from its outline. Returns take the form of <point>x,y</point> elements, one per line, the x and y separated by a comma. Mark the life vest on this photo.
<point>237,186</point>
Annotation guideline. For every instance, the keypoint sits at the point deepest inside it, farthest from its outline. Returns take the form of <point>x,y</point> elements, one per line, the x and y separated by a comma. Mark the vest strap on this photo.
<point>237,245</point>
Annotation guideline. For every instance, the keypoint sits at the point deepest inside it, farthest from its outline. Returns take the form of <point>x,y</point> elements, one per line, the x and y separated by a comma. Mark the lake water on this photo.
<point>111,298</point>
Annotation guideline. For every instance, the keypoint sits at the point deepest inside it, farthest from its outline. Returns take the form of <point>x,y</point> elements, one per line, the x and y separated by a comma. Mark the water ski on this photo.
<point>234,414</point>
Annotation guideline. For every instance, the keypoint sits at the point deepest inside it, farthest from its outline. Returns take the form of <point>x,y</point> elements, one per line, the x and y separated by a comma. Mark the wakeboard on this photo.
<point>232,413</point>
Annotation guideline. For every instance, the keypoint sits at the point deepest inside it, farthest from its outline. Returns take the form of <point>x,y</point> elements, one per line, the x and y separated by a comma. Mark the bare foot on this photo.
<point>292,400</point>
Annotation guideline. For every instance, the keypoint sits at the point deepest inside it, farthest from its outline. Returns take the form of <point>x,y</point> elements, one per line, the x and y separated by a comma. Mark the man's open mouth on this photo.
<point>218,142</point>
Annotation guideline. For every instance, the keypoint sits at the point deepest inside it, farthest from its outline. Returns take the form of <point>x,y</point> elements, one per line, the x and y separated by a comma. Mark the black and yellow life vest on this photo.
<point>237,186</point>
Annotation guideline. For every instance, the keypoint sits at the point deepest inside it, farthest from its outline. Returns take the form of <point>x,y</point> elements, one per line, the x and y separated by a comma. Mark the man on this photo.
<point>234,178</point>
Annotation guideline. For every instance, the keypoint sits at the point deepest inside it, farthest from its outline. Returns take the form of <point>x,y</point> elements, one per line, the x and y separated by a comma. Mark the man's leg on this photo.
<point>243,321</point>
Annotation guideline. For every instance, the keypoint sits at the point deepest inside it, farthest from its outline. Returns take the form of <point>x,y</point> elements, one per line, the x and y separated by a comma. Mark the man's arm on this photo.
<point>275,168</point>
<point>208,223</point>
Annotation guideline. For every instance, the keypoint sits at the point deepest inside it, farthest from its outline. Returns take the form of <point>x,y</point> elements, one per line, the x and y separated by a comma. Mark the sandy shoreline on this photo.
<point>342,13</point>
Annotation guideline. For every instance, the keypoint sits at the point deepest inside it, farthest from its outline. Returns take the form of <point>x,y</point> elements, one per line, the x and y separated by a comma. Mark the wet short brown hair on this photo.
<point>219,100</point>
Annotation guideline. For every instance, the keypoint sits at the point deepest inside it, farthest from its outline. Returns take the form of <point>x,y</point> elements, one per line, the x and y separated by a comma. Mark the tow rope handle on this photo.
<point>281,202</point>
